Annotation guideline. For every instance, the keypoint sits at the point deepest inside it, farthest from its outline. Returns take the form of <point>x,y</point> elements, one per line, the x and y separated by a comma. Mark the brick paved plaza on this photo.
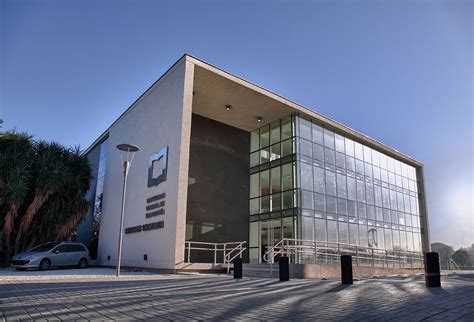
<point>96,294</point>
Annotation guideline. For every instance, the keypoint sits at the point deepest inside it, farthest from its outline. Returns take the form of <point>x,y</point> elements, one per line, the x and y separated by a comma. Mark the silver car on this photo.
<point>52,254</point>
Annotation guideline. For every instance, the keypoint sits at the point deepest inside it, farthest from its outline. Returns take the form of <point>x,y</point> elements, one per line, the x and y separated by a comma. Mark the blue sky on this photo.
<point>398,71</point>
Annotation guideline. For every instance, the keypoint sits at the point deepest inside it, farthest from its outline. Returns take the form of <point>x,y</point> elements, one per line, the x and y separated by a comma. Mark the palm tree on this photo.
<point>42,191</point>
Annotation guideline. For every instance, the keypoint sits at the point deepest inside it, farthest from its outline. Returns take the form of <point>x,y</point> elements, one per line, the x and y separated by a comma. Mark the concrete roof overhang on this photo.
<point>215,88</point>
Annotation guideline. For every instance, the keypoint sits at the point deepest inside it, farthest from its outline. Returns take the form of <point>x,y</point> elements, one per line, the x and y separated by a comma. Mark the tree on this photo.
<point>445,252</point>
<point>461,257</point>
<point>42,191</point>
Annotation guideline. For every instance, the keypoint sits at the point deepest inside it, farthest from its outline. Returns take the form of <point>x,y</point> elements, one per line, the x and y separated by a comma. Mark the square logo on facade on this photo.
<point>158,167</point>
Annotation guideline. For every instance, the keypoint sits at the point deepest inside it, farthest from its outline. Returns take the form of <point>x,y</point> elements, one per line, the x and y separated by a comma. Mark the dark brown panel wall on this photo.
<point>218,191</point>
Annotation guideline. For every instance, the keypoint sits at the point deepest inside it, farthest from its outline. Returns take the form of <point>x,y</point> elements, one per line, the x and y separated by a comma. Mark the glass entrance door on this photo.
<point>270,235</point>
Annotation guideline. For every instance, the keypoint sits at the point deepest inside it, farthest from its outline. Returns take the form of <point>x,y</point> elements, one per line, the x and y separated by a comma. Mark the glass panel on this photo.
<point>359,154</point>
<point>288,199</point>
<point>332,231</point>
<point>306,172</point>
<point>306,199</point>
<point>330,183</point>
<point>351,208</point>
<point>254,141</point>
<point>276,201</point>
<point>350,164</point>
<point>360,191</point>
<point>287,147</point>
<point>349,147</point>
<point>369,193</point>
<point>307,229</point>
<point>286,128</point>
<point>306,148</point>
<point>331,204</point>
<point>254,159</point>
<point>288,228</point>
<point>320,230</point>
<point>329,156</point>
<point>318,153</point>
<point>351,188</point>
<point>275,152</point>
<point>275,132</point>
<point>264,136</point>
<point>319,202</point>
<point>329,138</point>
<point>367,154</point>
<point>341,206</point>
<point>305,128</point>
<point>254,180</point>
<point>265,155</point>
<point>275,177</point>
<point>340,160</point>
<point>264,204</point>
<point>254,206</point>
<point>388,239</point>
<point>343,232</point>
<point>353,234</point>
<point>341,186</point>
<point>264,182</point>
<point>318,174</point>
<point>254,234</point>
<point>317,134</point>
<point>287,176</point>
<point>339,143</point>
<point>363,235</point>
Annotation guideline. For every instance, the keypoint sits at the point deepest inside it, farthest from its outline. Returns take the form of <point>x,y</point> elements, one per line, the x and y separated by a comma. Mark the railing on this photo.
<point>225,251</point>
<point>300,251</point>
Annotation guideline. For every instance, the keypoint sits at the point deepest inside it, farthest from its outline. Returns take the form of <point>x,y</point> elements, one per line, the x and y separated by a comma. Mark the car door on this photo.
<point>73,254</point>
<point>58,256</point>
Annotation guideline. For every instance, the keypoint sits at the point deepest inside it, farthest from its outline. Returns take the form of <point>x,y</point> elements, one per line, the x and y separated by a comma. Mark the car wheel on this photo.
<point>44,265</point>
<point>83,263</point>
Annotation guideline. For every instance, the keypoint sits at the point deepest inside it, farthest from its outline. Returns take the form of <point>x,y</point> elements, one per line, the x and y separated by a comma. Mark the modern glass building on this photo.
<point>226,167</point>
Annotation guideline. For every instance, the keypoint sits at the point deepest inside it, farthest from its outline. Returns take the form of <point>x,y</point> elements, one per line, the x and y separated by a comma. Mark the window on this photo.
<point>330,183</point>
<point>343,232</point>
<point>320,229</point>
<point>275,132</point>
<point>360,191</point>
<point>349,147</point>
<point>287,176</point>
<point>341,186</point>
<point>331,204</point>
<point>332,231</point>
<point>317,134</point>
<point>318,174</point>
<point>275,177</point>
<point>264,136</point>
<point>359,154</point>
<point>319,202</point>
<point>329,139</point>
<point>306,177</point>
<point>254,179</point>
<point>254,141</point>
<point>305,128</point>
<point>351,189</point>
<point>339,143</point>
<point>286,126</point>
<point>264,183</point>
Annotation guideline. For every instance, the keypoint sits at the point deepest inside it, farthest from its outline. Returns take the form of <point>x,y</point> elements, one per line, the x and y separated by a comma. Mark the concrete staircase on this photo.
<point>260,270</point>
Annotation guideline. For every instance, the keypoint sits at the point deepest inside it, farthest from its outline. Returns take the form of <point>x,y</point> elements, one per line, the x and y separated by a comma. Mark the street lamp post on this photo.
<point>128,151</point>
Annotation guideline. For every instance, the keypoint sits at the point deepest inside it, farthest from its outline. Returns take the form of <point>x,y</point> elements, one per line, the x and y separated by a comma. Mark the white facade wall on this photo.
<point>161,117</point>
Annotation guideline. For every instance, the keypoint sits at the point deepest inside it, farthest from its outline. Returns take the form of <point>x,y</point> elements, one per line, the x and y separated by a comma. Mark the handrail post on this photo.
<point>189,252</point>
<point>215,254</point>
<point>314,251</point>
<point>373,259</point>
<point>240,250</point>
<point>224,255</point>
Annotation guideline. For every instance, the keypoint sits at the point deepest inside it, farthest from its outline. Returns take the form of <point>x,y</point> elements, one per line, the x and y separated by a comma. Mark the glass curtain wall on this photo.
<point>99,192</point>
<point>272,186</point>
<point>352,194</point>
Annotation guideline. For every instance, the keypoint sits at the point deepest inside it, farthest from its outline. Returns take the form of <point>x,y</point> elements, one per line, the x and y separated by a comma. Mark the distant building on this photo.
<point>225,160</point>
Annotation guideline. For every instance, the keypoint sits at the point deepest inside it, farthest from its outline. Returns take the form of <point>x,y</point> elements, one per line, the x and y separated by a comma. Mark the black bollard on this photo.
<point>432,271</point>
<point>346,269</point>
<point>238,268</point>
<point>284,267</point>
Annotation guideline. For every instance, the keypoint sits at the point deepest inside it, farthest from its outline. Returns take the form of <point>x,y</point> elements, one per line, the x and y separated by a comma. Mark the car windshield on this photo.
<point>44,247</point>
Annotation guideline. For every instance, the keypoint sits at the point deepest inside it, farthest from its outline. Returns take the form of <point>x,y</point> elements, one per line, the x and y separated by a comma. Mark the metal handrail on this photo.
<point>227,250</point>
<point>329,250</point>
